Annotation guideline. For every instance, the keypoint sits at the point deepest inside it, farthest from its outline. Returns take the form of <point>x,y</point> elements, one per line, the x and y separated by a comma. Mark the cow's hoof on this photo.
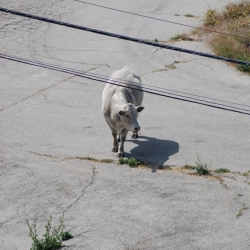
<point>118,139</point>
<point>115,150</point>
<point>121,155</point>
<point>134,136</point>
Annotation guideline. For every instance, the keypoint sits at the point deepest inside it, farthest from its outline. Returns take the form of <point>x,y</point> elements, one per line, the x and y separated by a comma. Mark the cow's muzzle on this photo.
<point>136,130</point>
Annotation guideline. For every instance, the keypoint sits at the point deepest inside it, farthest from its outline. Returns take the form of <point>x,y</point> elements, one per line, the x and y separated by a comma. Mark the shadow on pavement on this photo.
<point>155,151</point>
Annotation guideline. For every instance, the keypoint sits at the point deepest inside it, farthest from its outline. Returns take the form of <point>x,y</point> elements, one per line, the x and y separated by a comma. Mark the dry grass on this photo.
<point>235,20</point>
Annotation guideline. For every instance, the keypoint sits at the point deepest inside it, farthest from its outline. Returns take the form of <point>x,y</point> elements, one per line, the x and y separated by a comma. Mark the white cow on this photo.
<point>120,106</point>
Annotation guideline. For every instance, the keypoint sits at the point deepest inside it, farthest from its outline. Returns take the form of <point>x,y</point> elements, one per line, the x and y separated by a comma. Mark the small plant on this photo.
<point>244,68</point>
<point>201,168</point>
<point>53,237</point>
<point>211,18</point>
<point>66,236</point>
<point>106,161</point>
<point>221,170</point>
<point>132,162</point>
<point>182,37</point>
<point>123,161</point>
<point>88,158</point>
<point>189,15</point>
<point>246,173</point>
<point>188,167</point>
<point>156,40</point>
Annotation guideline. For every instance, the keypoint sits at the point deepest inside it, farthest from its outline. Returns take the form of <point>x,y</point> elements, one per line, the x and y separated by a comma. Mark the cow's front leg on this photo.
<point>134,135</point>
<point>123,136</point>
<point>115,143</point>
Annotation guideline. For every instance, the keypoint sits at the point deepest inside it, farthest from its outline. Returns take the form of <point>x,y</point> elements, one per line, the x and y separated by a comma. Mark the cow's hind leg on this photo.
<point>123,136</point>
<point>115,143</point>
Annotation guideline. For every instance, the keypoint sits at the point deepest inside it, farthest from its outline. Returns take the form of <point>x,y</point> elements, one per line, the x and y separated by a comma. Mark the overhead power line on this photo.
<point>121,83</point>
<point>159,19</point>
<point>100,32</point>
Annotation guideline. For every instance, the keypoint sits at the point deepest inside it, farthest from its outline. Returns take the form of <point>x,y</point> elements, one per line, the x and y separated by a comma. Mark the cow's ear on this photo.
<point>121,112</point>
<point>139,108</point>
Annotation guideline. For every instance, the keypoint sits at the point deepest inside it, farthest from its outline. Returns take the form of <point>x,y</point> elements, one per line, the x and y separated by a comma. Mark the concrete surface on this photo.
<point>48,118</point>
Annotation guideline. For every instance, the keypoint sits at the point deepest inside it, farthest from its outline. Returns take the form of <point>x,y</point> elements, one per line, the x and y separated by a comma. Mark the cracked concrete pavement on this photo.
<point>49,120</point>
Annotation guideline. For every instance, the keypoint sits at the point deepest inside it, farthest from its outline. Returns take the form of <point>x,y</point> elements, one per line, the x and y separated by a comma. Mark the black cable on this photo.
<point>100,32</point>
<point>159,19</point>
<point>118,83</point>
<point>164,90</point>
<point>154,89</point>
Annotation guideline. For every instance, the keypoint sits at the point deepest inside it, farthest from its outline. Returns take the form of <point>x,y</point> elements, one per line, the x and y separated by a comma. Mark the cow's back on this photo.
<point>129,79</point>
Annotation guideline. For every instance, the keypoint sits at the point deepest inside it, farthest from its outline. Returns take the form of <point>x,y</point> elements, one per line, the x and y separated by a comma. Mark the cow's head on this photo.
<point>128,115</point>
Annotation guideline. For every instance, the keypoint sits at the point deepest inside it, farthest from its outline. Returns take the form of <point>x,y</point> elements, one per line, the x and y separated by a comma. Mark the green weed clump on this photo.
<point>53,237</point>
<point>234,19</point>
<point>66,236</point>
<point>201,168</point>
<point>132,162</point>
<point>246,173</point>
<point>221,170</point>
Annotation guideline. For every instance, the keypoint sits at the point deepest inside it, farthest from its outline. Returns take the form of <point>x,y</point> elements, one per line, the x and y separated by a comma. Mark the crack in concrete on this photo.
<point>167,67</point>
<point>38,92</point>
<point>84,189</point>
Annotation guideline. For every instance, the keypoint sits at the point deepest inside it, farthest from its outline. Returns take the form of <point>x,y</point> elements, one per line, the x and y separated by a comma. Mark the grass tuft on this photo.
<point>106,161</point>
<point>246,173</point>
<point>182,37</point>
<point>221,170</point>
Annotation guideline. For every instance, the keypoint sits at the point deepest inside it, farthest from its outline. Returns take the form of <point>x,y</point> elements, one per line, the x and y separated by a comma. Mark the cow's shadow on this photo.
<point>155,151</point>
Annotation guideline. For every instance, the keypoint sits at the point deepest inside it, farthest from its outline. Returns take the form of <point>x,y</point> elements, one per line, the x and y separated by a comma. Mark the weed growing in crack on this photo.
<point>221,170</point>
<point>89,158</point>
<point>189,15</point>
<point>66,236</point>
<point>246,173</point>
<point>162,167</point>
<point>182,37</point>
<point>188,167</point>
<point>53,237</point>
<point>201,168</point>
<point>106,161</point>
<point>132,162</point>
